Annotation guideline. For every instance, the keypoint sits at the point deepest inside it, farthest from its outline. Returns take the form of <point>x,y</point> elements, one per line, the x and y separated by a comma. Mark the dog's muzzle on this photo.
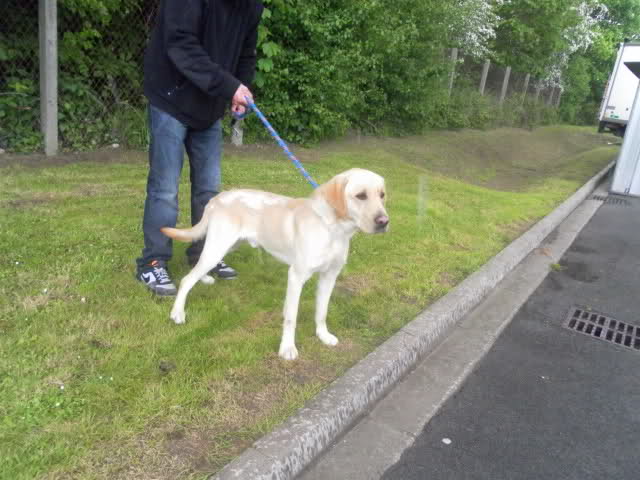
<point>381,223</point>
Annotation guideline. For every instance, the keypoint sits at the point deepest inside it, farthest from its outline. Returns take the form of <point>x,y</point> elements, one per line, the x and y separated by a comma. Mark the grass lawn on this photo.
<point>96,382</point>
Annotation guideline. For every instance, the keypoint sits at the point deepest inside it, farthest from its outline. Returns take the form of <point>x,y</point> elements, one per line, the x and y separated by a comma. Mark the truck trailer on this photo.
<point>620,91</point>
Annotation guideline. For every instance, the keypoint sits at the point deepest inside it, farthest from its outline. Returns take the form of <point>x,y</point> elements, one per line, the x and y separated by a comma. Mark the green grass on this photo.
<point>96,382</point>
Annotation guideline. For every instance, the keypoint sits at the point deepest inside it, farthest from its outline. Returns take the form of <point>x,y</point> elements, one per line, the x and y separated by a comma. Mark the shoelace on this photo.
<point>162,275</point>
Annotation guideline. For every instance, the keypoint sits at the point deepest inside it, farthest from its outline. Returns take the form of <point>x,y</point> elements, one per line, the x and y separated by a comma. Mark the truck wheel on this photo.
<point>620,131</point>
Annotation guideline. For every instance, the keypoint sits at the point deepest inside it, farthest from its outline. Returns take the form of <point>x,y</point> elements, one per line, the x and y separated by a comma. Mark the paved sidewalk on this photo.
<point>544,403</point>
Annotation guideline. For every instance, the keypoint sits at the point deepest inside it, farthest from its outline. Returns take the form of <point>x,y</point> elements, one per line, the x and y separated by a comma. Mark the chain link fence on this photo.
<point>19,81</point>
<point>513,98</point>
<point>100,73</point>
<point>470,72</point>
<point>100,53</point>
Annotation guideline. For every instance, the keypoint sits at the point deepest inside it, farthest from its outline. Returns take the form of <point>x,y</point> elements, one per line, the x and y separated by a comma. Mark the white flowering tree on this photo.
<point>474,24</point>
<point>589,15</point>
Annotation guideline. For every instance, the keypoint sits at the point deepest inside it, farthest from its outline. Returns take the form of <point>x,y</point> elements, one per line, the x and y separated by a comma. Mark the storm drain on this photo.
<point>611,200</point>
<point>605,328</point>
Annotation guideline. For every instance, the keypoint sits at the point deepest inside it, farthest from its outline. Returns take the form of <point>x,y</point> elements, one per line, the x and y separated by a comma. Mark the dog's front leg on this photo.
<point>326,282</point>
<point>296,280</point>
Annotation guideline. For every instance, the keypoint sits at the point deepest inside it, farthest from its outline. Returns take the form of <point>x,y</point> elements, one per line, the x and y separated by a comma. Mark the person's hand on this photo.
<point>238,109</point>
<point>239,102</point>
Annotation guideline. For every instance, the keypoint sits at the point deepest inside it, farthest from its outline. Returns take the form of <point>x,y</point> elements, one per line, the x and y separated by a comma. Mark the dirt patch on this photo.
<point>167,452</point>
<point>191,445</point>
<point>546,251</point>
<point>55,288</point>
<point>355,284</point>
<point>106,155</point>
<point>91,190</point>
<point>409,299</point>
<point>166,366</point>
<point>447,279</point>
<point>25,202</point>
<point>100,344</point>
<point>267,152</point>
<point>261,318</point>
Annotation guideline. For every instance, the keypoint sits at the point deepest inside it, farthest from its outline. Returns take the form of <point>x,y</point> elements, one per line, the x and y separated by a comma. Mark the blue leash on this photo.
<point>274,134</point>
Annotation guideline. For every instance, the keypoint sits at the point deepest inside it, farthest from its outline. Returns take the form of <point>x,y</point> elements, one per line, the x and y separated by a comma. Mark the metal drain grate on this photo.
<point>605,328</point>
<point>611,200</point>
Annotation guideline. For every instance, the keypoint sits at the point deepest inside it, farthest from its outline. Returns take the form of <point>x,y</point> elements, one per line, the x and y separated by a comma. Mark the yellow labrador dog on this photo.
<point>311,235</point>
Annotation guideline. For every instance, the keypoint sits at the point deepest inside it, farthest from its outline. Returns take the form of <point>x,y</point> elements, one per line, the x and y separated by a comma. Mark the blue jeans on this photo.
<point>169,138</point>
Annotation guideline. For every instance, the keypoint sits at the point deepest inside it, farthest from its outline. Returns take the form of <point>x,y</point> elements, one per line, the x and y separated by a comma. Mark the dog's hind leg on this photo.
<point>222,235</point>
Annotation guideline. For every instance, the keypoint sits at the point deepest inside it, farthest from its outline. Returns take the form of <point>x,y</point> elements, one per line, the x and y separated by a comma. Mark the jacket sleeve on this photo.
<point>182,31</point>
<point>246,69</point>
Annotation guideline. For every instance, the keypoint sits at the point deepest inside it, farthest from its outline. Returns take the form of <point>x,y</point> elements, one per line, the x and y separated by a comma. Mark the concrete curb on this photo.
<point>285,452</point>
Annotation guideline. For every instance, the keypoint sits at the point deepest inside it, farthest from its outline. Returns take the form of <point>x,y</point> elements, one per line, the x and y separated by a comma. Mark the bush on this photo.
<point>325,66</point>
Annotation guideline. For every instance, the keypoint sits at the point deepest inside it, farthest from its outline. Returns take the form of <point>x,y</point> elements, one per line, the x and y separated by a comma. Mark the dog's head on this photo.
<point>358,195</point>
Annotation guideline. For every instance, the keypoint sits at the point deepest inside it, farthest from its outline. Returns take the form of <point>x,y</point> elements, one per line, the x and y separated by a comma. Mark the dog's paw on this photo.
<point>327,338</point>
<point>208,280</point>
<point>288,352</point>
<point>178,317</point>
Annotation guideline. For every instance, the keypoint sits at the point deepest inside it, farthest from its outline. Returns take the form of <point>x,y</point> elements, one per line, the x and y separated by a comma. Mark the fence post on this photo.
<point>538,88</point>
<point>505,84</point>
<point>454,61</point>
<point>550,97</point>
<point>526,86</point>
<point>48,38</point>
<point>485,74</point>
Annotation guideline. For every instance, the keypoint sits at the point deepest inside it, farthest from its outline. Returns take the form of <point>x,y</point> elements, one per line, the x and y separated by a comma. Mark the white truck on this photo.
<point>620,91</point>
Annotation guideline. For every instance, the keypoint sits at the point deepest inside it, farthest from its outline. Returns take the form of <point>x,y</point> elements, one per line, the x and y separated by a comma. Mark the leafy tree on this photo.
<point>531,32</point>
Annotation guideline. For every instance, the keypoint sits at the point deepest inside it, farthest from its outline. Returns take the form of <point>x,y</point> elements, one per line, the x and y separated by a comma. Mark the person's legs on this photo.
<point>166,152</point>
<point>204,148</point>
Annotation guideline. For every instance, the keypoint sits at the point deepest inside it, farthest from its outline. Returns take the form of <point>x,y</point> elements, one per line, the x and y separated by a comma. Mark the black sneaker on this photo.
<point>224,271</point>
<point>156,277</point>
<point>221,270</point>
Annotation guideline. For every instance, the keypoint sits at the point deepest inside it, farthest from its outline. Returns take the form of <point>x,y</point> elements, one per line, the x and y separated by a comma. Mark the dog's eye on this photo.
<point>381,194</point>
<point>362,196</point>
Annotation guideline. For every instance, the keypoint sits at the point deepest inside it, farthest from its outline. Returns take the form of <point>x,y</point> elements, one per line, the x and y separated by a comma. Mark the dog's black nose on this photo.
<point>382,221</point>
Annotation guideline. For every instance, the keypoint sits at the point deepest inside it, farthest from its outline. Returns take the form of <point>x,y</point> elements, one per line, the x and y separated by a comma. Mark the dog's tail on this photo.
<point>192,234</point>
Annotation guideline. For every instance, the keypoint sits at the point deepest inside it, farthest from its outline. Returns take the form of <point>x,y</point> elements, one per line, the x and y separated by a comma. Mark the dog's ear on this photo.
<point>334,194</point>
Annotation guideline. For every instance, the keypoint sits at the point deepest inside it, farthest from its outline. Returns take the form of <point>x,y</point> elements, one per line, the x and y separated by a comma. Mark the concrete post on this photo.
<point>505,85</point>
<point>454,61</point>
<point>558,98</point>
<point>48,36</point>
<point>236,133</point>
<point>525,88</point>
<point>538,88</point>
<point>485,74</point>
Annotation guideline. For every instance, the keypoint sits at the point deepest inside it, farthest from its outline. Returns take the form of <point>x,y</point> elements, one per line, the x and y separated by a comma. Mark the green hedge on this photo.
<point>325,67</point>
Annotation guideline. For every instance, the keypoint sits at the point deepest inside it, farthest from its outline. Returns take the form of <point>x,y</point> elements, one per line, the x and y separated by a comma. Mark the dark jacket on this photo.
<point>198,54</point>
